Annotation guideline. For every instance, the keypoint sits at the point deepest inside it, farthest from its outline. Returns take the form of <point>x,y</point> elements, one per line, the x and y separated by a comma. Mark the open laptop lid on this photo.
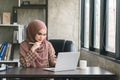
<point>66,61</point>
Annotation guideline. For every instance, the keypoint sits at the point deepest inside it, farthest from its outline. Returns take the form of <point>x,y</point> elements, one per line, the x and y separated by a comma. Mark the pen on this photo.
<point>31,43</point>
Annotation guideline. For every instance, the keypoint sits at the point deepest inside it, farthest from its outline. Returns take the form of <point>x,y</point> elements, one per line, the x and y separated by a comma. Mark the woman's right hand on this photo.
<point>35,46</point>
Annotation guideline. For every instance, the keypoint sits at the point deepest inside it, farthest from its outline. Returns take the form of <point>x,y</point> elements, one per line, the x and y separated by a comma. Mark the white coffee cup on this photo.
<point>83,64</point>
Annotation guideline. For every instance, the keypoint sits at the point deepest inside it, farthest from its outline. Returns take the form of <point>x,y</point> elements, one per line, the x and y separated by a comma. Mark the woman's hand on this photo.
<point>35,46</point>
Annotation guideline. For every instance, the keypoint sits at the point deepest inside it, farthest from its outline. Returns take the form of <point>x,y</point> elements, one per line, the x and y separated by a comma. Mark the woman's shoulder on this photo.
<point>24,43</point>
<point>48,42</point>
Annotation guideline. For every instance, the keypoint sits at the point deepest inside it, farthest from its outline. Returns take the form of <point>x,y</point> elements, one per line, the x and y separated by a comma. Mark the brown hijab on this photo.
<point>33,28</point>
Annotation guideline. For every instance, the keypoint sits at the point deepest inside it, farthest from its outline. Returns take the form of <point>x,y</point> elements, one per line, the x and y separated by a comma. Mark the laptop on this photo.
<point>65,61</point>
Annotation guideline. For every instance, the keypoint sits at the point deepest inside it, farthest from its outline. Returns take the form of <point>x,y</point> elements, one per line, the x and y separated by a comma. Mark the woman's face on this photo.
<point>41,35</point>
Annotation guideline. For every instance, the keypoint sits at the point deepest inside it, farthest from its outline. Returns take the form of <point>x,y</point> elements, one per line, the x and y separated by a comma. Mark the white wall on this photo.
<point>63,20</point>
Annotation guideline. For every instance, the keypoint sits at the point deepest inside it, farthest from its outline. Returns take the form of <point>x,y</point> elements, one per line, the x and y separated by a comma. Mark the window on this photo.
<point>97,24</point>
<point>86,29</point>
<point>111,25</point>
<point>100,32</point>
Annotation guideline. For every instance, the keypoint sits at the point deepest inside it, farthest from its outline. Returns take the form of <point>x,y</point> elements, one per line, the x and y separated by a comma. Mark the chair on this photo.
<point>62,45</point>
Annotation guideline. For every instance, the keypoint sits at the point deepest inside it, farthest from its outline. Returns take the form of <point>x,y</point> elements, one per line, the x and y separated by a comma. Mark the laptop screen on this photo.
<point>66,61</point>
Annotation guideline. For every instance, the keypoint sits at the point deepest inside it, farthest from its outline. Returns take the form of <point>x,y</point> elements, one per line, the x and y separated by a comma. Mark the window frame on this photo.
<point>103,14</point>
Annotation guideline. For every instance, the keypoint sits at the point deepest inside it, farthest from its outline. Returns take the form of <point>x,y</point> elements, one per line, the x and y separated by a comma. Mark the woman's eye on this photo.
<point>44,34</point>
<point>41,34</point>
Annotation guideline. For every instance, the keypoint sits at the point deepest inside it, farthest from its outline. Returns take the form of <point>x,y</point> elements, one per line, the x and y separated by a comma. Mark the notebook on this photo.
<point>65,61</point>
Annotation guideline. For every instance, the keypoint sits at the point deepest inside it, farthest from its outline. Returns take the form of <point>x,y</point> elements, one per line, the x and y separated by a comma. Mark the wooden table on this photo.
<point>90,73</point>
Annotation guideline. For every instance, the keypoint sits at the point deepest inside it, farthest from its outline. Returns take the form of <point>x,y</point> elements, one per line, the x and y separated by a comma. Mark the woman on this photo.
<point>36,51</point>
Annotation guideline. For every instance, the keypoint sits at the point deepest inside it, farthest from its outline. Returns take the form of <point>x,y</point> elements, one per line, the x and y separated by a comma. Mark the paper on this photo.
<point>6,18</point>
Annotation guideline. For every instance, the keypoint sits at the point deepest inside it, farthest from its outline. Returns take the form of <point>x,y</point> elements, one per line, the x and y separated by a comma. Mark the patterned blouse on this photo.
<point>30,59</point>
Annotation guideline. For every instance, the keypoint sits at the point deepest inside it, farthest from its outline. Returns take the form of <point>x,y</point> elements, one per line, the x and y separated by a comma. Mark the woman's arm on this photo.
<point>52,56</point>
<point>26,56</point>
